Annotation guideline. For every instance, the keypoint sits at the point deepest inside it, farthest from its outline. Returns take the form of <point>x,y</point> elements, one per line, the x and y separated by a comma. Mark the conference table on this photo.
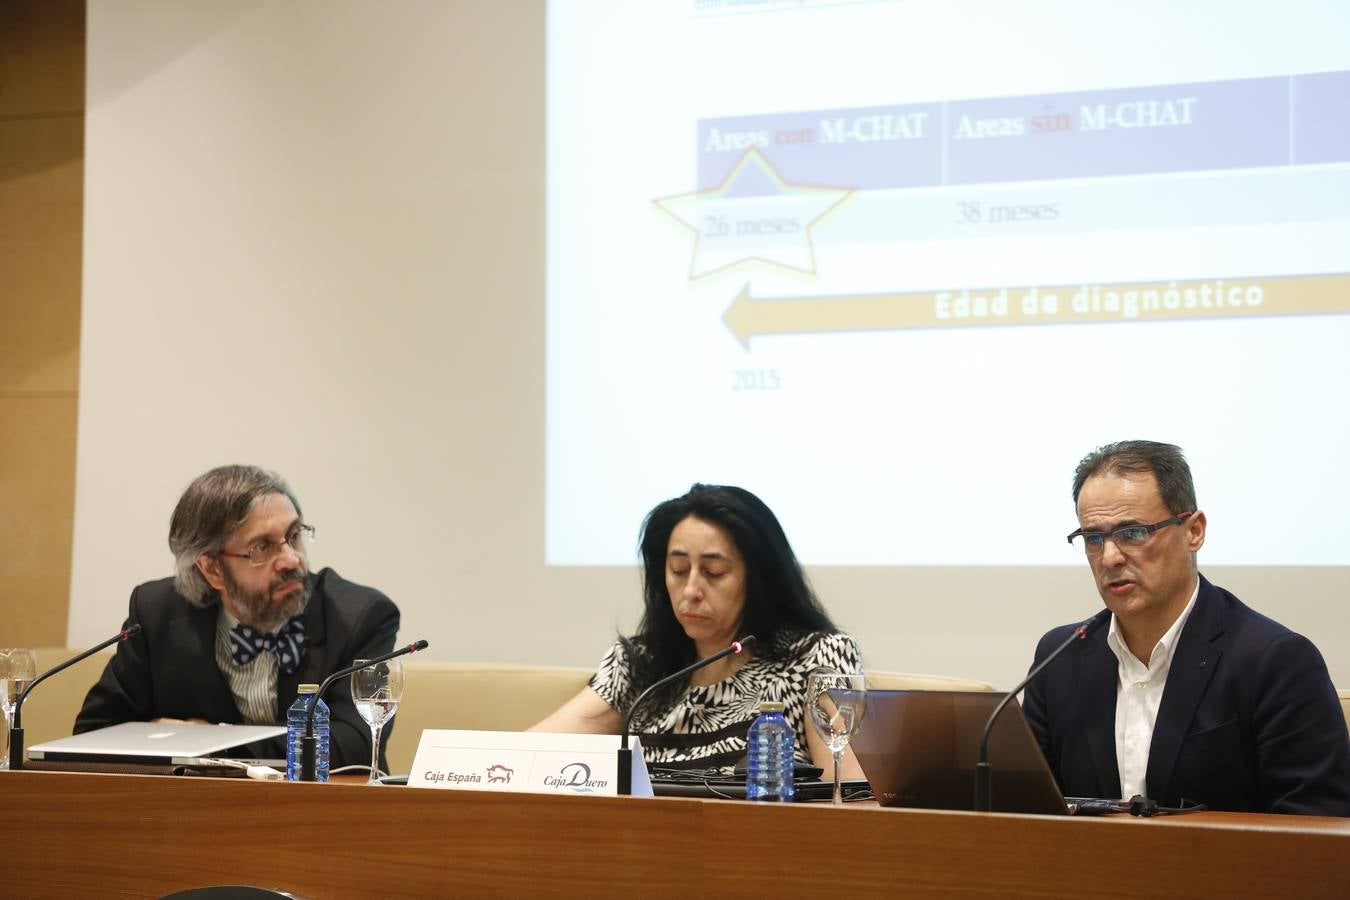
<point>77,834</point>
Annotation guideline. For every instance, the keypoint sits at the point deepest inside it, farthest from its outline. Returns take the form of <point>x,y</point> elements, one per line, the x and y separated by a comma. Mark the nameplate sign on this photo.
<point>525,761</point>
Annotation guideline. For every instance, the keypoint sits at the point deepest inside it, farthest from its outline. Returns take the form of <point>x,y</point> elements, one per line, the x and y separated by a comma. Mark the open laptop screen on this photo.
<point>919,749</point>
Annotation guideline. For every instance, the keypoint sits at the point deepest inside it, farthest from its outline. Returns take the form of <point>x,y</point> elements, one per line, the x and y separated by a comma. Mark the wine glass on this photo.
<point>836,703</point>
<point>18,668</point>
<point>376,691</point>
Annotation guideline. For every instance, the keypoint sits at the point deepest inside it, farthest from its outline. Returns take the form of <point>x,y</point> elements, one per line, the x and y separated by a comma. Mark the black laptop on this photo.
<point>919,749</point>
<point>718,784</point>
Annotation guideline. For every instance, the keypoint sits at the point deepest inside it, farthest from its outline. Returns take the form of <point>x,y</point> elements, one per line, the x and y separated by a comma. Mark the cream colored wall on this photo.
<point>315,241</point>
<point>41,184</point>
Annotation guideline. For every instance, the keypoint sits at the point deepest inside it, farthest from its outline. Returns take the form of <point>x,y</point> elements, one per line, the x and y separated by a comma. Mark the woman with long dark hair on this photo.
<point>716,566</point>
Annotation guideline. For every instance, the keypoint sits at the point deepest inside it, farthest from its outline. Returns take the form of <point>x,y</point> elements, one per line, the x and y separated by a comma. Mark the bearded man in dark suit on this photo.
<point>243,622</point>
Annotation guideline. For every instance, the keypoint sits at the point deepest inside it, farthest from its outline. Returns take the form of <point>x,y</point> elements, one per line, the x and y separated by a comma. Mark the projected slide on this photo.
<point>896,266</point>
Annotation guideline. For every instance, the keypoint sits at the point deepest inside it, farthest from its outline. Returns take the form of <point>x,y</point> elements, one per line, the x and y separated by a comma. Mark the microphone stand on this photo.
<point>16,730</point>
<point>984,771</point>
<point>309,744</point>
<point>625,777</point>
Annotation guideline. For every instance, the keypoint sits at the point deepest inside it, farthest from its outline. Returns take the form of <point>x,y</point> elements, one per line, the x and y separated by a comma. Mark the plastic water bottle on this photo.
<point>770,757</point>
<point>295,730</point>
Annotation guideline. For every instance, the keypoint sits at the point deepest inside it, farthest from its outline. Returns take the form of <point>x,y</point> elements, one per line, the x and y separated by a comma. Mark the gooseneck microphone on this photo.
<point>625,782</point>
<point>16,731</point>
<point>309,744</point>
<point>984,790</point>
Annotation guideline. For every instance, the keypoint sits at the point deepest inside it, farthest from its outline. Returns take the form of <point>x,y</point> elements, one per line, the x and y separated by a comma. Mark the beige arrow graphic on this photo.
<point>1293,295</point>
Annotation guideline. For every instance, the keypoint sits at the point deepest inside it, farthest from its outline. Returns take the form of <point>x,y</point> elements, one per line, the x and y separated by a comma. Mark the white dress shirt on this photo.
<point>1139,693</point>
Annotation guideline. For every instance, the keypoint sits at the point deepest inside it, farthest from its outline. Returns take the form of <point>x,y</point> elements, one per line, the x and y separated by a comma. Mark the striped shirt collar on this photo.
<point>254,684</point>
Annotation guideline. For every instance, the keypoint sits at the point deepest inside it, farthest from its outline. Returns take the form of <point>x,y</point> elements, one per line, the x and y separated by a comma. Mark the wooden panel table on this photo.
<point>107,835</point>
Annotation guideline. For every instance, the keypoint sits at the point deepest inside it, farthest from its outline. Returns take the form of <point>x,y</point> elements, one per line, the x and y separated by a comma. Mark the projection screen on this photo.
<point>488,280</point>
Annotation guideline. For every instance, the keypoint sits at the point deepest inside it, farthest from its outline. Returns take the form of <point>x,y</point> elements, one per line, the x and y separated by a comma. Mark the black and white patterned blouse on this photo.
<point>706,727</point>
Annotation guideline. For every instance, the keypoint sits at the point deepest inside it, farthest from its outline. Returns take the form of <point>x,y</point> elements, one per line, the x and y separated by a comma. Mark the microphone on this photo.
<point>984,772</point>
<point>16,730</point>
<point>309,744</point>
<point>625,782</point>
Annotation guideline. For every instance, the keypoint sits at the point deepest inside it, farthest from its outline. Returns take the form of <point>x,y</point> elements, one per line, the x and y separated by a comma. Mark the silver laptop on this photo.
<point>151,742</point>
<point>919,749</point>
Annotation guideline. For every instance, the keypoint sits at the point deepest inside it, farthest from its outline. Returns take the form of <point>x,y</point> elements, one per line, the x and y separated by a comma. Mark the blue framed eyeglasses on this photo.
<point>1126,535</point>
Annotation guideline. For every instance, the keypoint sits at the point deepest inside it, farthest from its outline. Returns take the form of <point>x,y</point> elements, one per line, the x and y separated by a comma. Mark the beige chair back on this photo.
<point>50,710</point>
<point>476,696</point>
<point>479,696</point>
<point>905,681</point>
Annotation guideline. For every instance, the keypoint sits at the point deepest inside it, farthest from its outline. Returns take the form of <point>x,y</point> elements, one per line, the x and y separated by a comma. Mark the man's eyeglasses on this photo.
<point>264,551</point>
<point>1127,536</point>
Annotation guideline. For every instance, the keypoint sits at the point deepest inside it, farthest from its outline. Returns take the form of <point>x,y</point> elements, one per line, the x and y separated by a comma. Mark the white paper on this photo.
<point>525,762</point>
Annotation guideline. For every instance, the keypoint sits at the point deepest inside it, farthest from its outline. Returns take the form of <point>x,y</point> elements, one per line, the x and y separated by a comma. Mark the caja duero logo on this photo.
<point>575,777</point>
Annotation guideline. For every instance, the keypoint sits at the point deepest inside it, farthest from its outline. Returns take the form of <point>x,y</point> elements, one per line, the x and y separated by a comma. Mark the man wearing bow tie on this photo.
<point>243,622</point>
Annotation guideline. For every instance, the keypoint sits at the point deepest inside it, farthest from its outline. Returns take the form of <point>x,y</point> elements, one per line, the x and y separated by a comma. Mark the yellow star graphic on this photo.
<point>753,215</point>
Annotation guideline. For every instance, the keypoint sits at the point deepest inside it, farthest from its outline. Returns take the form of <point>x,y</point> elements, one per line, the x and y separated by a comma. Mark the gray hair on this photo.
<point>1165,461</point>
<point>211,508</point>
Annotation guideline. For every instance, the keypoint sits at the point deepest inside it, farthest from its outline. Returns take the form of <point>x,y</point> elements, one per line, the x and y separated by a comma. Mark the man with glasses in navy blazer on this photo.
<point>1190,696</point>
<point>243,622</point>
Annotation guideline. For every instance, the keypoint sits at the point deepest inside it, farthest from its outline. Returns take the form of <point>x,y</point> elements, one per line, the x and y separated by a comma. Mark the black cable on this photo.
<point>1142,806</point>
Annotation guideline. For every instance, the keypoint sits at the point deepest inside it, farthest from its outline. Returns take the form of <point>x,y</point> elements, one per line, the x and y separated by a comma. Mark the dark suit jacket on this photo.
<point>169,669</point>
<point>1249,719</point>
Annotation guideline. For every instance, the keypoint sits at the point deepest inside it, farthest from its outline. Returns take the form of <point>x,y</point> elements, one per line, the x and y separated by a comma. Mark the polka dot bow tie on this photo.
<point>288,644</point>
